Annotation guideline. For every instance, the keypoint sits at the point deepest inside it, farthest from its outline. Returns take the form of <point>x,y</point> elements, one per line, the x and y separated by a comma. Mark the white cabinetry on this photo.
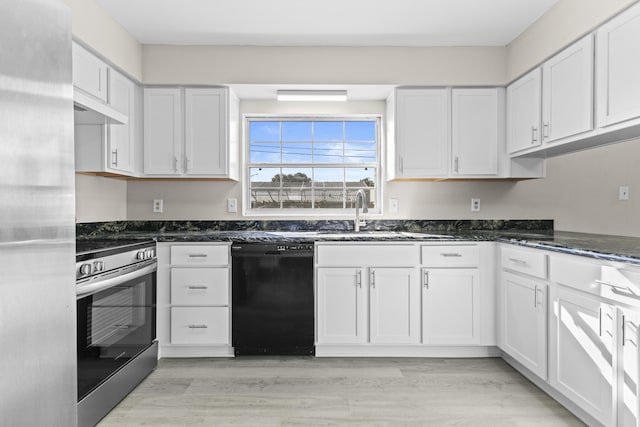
<point>191,132</point>
<point>581,357</point>
<point>90,74</point>
<point>450,295</point>
<point>524,308</point>
<point>367,294</point>
<point>111,148</point>
<point>618,69</point>
<point>193,300</point>
<point>524,112</point>
<point>421,140</point>
<point>567,92</point>
<point>477,131</point>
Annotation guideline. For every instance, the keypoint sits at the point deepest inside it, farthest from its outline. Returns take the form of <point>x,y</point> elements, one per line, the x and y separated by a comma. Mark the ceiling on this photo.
<point>327,22</point>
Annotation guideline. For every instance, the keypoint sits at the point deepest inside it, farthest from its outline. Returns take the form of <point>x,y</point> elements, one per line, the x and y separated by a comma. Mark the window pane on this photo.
<point>264,131</point>
<point>296,152</point>
<point>265,152</point>
<point>361,178</point>
<point>328,177</point>
<point>296,131</point>
<point>327,131</point>
<point>264,188</point>
<point>329,198</point>
<point>328,152</point>
<point>360,152</point>
<point>360,131</point>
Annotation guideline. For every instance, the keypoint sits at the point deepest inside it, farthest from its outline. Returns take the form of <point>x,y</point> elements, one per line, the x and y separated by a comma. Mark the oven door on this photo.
<point>116,321</point>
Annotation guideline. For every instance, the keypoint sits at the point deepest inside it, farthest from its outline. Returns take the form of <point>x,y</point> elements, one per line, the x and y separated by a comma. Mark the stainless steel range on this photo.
<point>116,328</point>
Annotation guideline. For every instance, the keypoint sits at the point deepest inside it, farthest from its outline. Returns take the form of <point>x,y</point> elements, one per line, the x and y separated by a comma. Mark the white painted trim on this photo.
<point>366,350</point>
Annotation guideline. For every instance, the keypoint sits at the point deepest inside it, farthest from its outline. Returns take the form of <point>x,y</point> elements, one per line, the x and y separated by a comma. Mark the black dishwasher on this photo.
<point>272,311</point>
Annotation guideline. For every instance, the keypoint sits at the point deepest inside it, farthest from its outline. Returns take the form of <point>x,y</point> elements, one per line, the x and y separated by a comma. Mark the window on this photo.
<point>311,164</point>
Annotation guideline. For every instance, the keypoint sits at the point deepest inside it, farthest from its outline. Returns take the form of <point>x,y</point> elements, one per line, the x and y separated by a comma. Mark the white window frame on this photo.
<point>309,212</point>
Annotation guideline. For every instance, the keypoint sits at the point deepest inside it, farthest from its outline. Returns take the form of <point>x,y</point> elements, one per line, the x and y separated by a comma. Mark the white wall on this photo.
<point>100,199</point>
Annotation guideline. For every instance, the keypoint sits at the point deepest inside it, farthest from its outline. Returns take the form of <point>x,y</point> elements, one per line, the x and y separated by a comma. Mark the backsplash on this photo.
<point>426,226</point>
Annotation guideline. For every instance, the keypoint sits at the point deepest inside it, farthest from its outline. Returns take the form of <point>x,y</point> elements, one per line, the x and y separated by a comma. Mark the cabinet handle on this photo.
<point>426,279</point>
<point>187,164</point>
<point>197,255</point>
<point>624,338</point>
<point>401,165</point>
<point>600,321</point>
<point>534,137</point>
<point>611,285</point>
<point>197,326</point>
<point>535,296</point>
<point>198,287</point>
<point>451,254</point>
<point>114,158</point>
<point>175,164</point>
<point>359,278</point>
<point>545,130</point>
<point>518,261</point>
<point>373,278</point>
<point>455,164</point>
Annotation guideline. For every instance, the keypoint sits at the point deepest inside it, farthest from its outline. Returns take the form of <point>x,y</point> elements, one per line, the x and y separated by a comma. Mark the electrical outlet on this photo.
<point>475,205</point>
<point>623,193</point>
<point>158,205</point>
<point>232,205</point>
<point>393,205</point>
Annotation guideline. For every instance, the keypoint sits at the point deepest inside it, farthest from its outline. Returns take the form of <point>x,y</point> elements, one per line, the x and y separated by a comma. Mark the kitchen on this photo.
<point>580,191</point>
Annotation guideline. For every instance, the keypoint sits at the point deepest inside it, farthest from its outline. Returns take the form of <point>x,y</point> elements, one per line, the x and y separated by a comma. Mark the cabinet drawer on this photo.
<point>620,284</point>
<point>200,325</point>
<point>576,273</point>
<point>200,254</point>
<point>450,255</point>
<point>361,255</point>
<point>200,286</point>
<point>531,262</point>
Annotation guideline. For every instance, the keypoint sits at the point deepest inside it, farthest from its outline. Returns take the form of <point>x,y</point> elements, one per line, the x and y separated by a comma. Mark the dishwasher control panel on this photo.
<point>294,247</point>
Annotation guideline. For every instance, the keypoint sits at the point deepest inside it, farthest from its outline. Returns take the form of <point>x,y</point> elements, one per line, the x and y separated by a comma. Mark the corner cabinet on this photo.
<point>194,290</point>
<point>524,112</point>
<point>191,133</point>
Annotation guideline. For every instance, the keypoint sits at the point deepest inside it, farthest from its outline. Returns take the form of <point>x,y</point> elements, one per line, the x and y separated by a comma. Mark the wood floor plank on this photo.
<point>297,391</point>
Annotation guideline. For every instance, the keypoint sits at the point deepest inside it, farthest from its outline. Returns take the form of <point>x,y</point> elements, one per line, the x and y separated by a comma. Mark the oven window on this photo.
<point>114,325</point>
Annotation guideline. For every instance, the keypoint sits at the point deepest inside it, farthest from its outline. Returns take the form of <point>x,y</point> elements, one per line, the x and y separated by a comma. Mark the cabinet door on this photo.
<point>121,137</point>
<point>525,322</point>
<point>205,132</point>
<point>422,132</point>
<point>89,73</point>
<point>581,346</point>
<point>394,305</point>
<point>628,362</point>
<point>618,65</point>
<point>341,306</point>
<point>200,325</point>
<point>450,306</point>
<point>523,112</point>
<point>475,131</point>
<point>162,131</point>
<point>567,92</point>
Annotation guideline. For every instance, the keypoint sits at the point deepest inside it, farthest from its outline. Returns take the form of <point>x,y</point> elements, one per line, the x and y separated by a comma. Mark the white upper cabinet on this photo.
<point>90,74</point>
<point>121,138</point>
<point>421,133</point>
<point>475,131</point>
<point>567,92</point>
<point>190,132</point>
<point>618,69</point>
<point>162,131</point>
<point>524,109</point>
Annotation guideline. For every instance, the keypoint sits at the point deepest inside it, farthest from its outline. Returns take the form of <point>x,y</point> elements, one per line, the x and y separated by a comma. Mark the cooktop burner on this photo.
<point>94,248</point>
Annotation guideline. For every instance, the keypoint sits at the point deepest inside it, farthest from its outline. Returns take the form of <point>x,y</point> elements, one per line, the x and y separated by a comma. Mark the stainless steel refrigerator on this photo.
<point>37,230</point>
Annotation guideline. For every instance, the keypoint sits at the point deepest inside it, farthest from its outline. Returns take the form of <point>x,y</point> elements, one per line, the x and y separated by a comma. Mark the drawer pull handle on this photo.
<point>426,279</point>
<point>611,285</point>
<point>198,255</point>
<point>198,287</point>
<point>451,254</point>
<point>359,278</point>
<point>518,261</point>
<point>198,326</point>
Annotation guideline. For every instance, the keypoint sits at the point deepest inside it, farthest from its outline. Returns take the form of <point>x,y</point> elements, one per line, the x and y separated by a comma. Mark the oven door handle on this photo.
<point>101,285</point>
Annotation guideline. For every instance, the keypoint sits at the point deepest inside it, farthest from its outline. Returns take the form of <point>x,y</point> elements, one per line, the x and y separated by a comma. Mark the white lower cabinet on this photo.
<point>524,330</point>
<point>194,299</point>
<point>628,402</point>
<point>450,306</point>
<point>341,316</point>
<point>394,306</point>
<point>582,338</point>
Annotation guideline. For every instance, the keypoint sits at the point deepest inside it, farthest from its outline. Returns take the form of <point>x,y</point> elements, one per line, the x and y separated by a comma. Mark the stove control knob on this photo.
<point>98,266</point>
<point>140,255</point>
<point>85,269</point>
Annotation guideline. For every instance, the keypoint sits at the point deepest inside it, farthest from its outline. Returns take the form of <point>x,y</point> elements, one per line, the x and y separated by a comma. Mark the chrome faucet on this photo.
<point>362,197</point>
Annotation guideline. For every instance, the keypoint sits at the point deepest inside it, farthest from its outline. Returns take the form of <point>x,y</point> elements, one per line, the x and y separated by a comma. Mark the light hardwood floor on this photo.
<point>303,391</point>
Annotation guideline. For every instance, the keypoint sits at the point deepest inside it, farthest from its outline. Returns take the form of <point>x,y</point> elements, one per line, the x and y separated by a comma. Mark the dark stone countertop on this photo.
<point>599,246</point>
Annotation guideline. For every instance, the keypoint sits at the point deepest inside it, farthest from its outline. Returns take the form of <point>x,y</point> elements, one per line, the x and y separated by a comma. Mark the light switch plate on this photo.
<point>393,205</point>
<point>475,205</point>
<point>232,205</point>
<point>623,193</point>
<point>158,205</point>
